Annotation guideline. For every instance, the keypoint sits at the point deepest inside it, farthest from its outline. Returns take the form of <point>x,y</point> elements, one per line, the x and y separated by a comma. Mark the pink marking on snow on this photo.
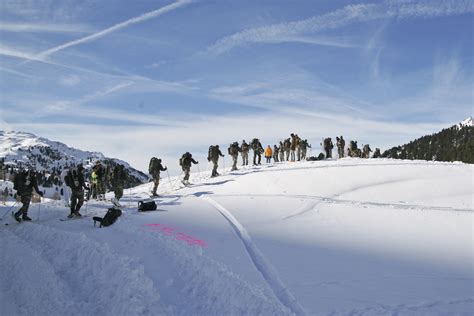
<point>170,231</point>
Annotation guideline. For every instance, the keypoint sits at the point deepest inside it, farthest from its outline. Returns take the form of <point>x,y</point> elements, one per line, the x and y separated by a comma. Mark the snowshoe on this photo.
<point>70,215</point>
<point>77,214</point>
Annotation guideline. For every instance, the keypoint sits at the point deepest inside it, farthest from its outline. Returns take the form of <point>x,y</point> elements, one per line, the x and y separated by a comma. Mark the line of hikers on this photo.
<point>291,149</point>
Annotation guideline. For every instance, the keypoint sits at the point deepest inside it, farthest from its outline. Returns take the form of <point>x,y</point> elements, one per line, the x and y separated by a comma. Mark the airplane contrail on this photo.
<point>138,19</point>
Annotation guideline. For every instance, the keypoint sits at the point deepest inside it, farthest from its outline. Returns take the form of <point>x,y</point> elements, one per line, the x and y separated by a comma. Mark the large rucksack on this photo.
<point>109,218</point>
<point>71,181</point>
<point>183,160</point>
<point>67,179</point>
<point>153,165</point>
<point>213,152</point>
<point>233,149</point>
<point>18,182</point>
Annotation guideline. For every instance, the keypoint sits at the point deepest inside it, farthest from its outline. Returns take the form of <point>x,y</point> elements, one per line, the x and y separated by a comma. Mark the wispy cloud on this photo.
<point>114,28</point>
<point>76,104</point>
<point>293,31</point>
<point>282,98</point>
<point>70,80</point>
<point>44,28</point>
<point>16,73</point>
<point>13,52</point>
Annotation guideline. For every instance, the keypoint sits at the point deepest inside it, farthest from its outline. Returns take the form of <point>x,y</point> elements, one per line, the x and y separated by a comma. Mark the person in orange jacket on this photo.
<point>268,153</point>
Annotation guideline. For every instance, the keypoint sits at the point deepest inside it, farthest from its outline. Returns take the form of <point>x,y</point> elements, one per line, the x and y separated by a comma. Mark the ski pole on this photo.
<point>8,211</point>
<point>87,203</point>
<point>151,186</point>
<point>169,180</point>
<point>39,210</point>
<point>199,171</point>
<point>223,164</point>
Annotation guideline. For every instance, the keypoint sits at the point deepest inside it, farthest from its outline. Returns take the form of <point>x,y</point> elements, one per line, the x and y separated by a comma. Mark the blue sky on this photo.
<point>140,78</point>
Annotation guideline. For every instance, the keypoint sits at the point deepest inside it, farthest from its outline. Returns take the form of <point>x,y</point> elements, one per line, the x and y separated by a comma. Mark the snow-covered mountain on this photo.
<point>338,237</point>
<point>22,149</point>
<point>467,122</point>
<point>455,143</point>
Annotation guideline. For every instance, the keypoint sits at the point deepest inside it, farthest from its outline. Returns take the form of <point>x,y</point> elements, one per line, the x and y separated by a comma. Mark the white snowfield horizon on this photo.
<point>336,237</point>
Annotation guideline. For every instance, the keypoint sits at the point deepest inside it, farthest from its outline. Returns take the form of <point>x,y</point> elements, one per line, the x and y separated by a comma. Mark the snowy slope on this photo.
<point>345,237</point>
<point>20,148</point>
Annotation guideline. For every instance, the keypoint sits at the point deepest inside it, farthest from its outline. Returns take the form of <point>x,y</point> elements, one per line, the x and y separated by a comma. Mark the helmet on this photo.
<point>159,160</point>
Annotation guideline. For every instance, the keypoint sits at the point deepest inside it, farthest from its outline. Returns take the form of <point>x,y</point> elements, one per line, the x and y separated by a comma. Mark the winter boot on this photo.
<point>77,214</point>
<point>70,215</point>
<point>17,216</point>
<point>25,217</point>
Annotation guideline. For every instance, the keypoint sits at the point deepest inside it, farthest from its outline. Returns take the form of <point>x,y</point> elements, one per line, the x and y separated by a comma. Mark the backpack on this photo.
<point>17,182</point>
<point>71,181</point>
<point>213,151</point>
<point>153,165</point>
<point>233,149</point>
<point>109,218</point>
<point>147,205</point>
<point>353,145</point>
<point>184,157</point>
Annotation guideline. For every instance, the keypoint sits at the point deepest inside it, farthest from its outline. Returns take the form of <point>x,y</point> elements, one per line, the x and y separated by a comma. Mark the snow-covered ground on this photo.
<point>346,237</point>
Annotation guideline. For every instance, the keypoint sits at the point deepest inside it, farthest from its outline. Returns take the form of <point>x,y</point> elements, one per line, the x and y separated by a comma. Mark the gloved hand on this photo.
<point>41,194</point>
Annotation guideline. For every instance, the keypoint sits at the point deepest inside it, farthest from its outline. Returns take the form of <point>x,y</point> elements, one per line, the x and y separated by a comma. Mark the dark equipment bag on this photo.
<point>147,205</point>
<point>109,218</point>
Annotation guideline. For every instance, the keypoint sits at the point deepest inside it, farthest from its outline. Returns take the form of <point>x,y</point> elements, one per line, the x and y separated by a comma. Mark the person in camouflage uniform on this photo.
<point>282,151</point>
<point>298,147</point>
<point>24,183</point>
<point>185,163</point>
<point>328,146</point>
<point>257,151</point>
<point>303,148</point>
<point>101,176</point>
<point>366,151</point>
<point>75,180</point>
<point>233,151</point>
<point>154,169</point>
<point>118,181</point>
<point>276,151</point>
<point>293,147</point>
<point>287,146</point>
<point>340,143</point>
<point>377,153</point>
<point>352,150</point>
<point>213,156</point>
<point>245,153</point>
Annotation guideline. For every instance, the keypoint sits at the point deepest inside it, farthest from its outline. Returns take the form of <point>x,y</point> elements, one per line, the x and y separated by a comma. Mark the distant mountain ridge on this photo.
<point>455,143</point>
<point>21,149</point>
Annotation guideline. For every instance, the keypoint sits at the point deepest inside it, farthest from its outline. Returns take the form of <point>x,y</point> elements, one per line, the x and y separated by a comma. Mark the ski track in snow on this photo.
<point>203,286</point>
<point>352,202</point>
<point>426,308</point>
<point>327,164</point>
<point>263,266</point>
